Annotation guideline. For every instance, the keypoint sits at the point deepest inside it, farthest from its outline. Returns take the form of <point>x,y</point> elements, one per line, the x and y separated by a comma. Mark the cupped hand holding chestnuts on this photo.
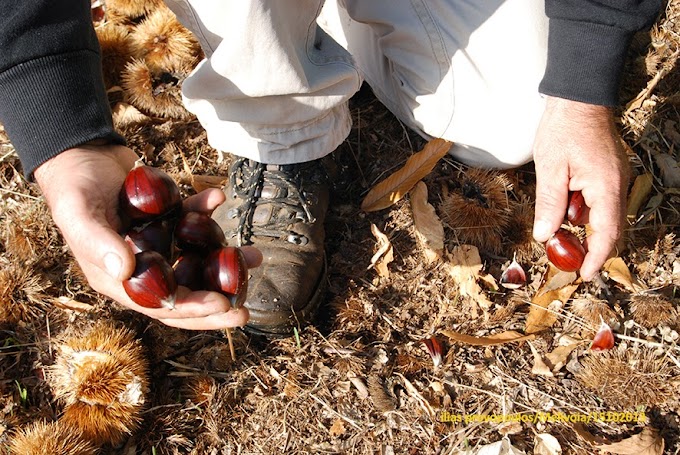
<point>160,235</point>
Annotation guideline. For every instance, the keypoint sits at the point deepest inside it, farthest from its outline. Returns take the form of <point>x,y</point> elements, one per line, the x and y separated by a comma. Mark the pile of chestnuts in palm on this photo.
<point>564,249</point>
<point>175,248</point>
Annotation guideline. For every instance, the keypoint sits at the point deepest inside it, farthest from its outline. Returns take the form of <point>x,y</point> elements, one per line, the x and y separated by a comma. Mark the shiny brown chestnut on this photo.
<point>514,276</point>
<point>577,208</point>
<point>148,193</point>
<point>189,270</point>
<point>226,272</point>
<point>152,284</point>
<point>565,251</point>
<point>156,236</point>
<point>197,231</point>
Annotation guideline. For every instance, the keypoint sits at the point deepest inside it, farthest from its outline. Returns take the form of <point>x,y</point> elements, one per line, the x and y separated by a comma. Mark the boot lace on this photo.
<point>247,179</point>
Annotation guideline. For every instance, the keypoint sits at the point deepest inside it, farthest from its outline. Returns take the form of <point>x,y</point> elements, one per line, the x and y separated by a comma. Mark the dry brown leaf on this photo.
<point>540,318</point>
<point>638,195</point>
<point>464,266</point>
<point>429,228</point>
<point>618,271</point>
<point>670,170</point>
<point>556,279</point>
<point>394,187</point>
<point>70,304</point>
<point>384,255</point>
<point>199,182</point>
<point>338,428</point>
<point>490,340</point>
<point>558,357</point>
<point>539,365</point>
<point>647,442</point>
<point>546,444</point>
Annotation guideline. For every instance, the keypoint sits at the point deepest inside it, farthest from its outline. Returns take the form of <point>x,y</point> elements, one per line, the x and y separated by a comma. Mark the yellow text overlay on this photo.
<point>550,417</point>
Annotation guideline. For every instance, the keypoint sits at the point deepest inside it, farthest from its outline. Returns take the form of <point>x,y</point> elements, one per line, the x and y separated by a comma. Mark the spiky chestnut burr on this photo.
<point>101,377</point>
<point>149,193</point>
<point>152,284</point>
<point>226,272</point>
<point>43,438</point>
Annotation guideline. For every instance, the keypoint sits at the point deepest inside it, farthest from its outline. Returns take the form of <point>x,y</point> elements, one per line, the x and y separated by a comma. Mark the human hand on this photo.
<point>81,186</point>
<point>577,148</point>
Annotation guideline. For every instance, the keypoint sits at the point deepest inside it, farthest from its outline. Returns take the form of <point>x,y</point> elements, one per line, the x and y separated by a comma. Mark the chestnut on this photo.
<point>152,284</point>
<point>577,208</point>
<point>226,272</point>
<point>156,236</point>
<point>148,193</point>
<point>514,276</point>
<point>565,251</point>
<point>197,231</point>
<point>189,270</point>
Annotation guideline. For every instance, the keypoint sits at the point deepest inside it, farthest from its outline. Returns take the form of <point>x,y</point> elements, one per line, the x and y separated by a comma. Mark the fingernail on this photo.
<point>542,230</point>
<point>113,263</point>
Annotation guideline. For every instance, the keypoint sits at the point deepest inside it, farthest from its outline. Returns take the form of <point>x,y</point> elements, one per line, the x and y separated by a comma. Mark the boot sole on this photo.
<point>301,317</point>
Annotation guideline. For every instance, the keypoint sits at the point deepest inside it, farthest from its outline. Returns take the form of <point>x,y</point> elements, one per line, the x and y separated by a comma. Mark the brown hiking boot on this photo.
<point>280,210</point>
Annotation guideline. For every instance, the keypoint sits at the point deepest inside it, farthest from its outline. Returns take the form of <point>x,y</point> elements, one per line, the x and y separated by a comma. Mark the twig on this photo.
<point>230,340</point>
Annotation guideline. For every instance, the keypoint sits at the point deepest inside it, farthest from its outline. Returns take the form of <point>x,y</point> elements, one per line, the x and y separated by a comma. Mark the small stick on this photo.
<point>230,340</point>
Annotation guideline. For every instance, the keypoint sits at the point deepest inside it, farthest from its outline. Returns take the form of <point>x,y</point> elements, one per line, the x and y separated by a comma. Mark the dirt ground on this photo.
<point>360,379</point>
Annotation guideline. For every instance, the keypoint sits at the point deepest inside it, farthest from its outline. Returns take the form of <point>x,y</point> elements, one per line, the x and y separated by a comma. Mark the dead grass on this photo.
<point>360,380</point>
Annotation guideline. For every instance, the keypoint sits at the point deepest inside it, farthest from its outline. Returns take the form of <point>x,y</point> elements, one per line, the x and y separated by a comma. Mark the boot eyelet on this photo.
<point>297,239</point>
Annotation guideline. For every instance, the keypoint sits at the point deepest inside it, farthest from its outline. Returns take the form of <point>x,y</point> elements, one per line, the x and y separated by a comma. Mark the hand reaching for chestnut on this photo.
<point>577,149</point>
<point>82,186</point>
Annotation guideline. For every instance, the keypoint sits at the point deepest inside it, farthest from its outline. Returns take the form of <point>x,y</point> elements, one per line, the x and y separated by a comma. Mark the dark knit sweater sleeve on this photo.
<point>587,46</point>
<point>52,94</point>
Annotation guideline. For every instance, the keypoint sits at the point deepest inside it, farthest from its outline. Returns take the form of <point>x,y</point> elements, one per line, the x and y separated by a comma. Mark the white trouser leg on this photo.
<point>274,87</point>
<point>464,70</point>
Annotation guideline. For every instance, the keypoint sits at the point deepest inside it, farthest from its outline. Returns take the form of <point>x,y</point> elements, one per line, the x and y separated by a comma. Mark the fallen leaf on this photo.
<point>647,442</point>
<point>384,255</point>
<point>464,266</point>
<point>489,340</point>
<point>540,317</point>
<point>394,187</point>
<point>539,365</point>
<point>70,304</point>
<point>338,428</point>
<point>670,170</point>
<point>618,271</point>
<point>638,195</point>
<point>546,444</point>
<point>429,228</point>
<point>559,356</point>
<point>502,447</point>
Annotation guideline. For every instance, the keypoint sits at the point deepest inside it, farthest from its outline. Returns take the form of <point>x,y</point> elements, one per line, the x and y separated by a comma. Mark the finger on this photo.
<point>229,319</point>
<point>206,201</point>
<point>253,256</point>
<point>606,230</point>
<point>93,241</point>
<point>552,189</point>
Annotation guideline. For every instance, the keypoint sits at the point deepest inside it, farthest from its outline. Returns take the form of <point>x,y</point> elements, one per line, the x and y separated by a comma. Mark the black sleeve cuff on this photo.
<point>54,103</point>
<point>585,61</point>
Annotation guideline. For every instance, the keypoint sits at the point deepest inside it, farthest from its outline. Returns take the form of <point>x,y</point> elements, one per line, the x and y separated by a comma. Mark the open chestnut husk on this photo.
<point>577,208</point>
<point>197,231</point>
<point>152,284</point>
<point>226,272</point>
<point>565,251</point>
<point>149,193</point>
<point>156,236</point>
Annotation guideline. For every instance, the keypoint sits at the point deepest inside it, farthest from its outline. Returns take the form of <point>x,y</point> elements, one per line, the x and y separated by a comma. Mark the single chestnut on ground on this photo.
<point>565,251</point>
<point>152,284</point>
<point>226,272</point>
<point>149,193</point>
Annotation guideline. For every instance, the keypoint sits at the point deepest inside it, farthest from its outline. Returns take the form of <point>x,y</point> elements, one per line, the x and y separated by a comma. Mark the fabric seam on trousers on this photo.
<point>191,15</point>
<point>298,128</point>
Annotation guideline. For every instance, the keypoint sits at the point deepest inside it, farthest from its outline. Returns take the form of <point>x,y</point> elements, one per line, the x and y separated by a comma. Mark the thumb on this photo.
<point>552,190</point>
<point>95,241</point>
